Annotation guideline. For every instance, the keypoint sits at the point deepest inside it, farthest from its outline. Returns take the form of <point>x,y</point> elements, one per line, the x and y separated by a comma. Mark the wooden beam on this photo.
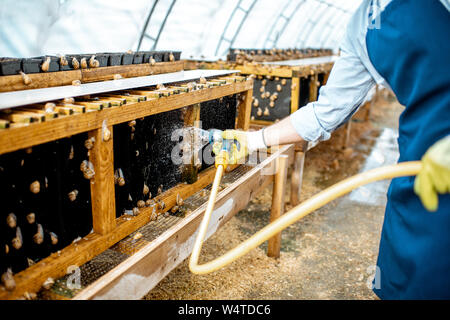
<point>261,123</point>
<point>265,70</point>
<point>129,71</point>
<point>102,185</point>
<point>134,277</point>
<point>277,210</point>
<point>297,177</point>
<point>13,139</point>
<point>313,87</point>
<point>39,80</point>
<point>64,78</point>
<point>189,171</point>
<point>295,94</point>
<point>348,129</point>
<point>76,254</point>
<point>244,110</point>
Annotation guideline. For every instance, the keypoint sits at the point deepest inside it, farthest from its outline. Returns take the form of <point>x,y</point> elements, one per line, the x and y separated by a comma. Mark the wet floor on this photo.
<point>330,254</point>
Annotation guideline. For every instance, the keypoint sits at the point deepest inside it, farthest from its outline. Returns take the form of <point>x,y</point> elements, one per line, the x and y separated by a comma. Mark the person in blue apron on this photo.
<point>402,45</point>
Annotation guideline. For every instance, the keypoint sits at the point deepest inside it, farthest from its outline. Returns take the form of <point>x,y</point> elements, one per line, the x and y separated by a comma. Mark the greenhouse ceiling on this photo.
<point>199,28</point>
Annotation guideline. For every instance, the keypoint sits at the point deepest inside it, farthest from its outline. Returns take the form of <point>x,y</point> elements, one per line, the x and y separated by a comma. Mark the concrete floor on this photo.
<point>331,253</point>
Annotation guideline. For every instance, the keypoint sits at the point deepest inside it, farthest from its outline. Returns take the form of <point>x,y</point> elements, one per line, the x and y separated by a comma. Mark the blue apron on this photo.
<point>411,50</point>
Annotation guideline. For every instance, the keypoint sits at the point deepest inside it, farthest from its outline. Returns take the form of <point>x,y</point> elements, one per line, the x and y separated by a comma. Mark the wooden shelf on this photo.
<point>13,139</point>
<point>107,229</point>
<point>143,270</point>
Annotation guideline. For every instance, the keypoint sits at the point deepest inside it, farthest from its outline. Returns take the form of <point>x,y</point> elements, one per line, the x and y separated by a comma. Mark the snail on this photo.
<point>141,204</point>
<point>266,112</point>
<point>94,63</point>
<point>138,236</point>
<point>11,220</point>
<point>152,61</point>
<point>63,61</point>
<point>25,78</point>
<point>53,238</point>
<point>83,63</point>
<point>179,200</point>
<point>38,237</point>
<point>88,169</point>
<point>119,178</point>
<point>69,100</point>
<point>154,215</point>
<point>89,143</point>
<point>73,195</point>
<point>35,187</point>
<point>31,218</point>
<point>259,112</point>
<point>145,190</point>
<point>17,241</point>
<point>8,280</point>
<point>75,63</point>
<point>106,134</point>
<point>46,64</point>
<point>48,283</point>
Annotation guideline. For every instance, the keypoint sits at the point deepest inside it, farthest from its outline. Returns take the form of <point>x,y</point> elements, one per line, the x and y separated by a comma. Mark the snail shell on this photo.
<point>83,63</point>
<point>141,204</point>
<point>31,218</point>
<point>259,112</point>
<point>38,237</point>
<point>35,187</point>
<point>48,283</point>
<point>46,64</point>
<point>75,63</point>
<point>146,190</point>
<point>73,195</point>
<point>8,280</point>
<point>25,78</point>
<point>89,143</point>
<point>53,238</point>
<point>11,220</point>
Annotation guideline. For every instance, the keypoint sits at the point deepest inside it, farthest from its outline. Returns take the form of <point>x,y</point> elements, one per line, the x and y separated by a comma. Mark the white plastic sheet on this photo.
<point>38,27</point>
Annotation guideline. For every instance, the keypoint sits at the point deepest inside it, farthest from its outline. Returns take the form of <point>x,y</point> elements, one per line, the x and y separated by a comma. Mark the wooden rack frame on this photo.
<point>63,78</point>
<point>107,228</point>
<point>143,270</point>
<point>294,72</point>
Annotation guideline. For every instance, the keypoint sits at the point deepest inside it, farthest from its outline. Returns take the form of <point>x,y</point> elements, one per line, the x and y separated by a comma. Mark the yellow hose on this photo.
<point>290,217</point>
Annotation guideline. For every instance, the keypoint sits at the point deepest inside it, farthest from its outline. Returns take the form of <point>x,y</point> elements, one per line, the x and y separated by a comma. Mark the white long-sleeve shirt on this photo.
<point>350,80</point>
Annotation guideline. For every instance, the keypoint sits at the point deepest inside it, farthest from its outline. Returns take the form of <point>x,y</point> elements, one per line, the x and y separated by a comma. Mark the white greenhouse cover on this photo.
<point>198,28</point>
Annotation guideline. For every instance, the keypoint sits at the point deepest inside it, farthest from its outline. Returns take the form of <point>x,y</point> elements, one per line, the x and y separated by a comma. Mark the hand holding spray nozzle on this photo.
<point>225,145</point>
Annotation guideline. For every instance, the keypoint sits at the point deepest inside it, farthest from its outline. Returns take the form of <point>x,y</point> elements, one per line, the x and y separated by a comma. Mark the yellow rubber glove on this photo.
<point>243,144</point>
<point>240,146</point>
<point>434,178</point>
